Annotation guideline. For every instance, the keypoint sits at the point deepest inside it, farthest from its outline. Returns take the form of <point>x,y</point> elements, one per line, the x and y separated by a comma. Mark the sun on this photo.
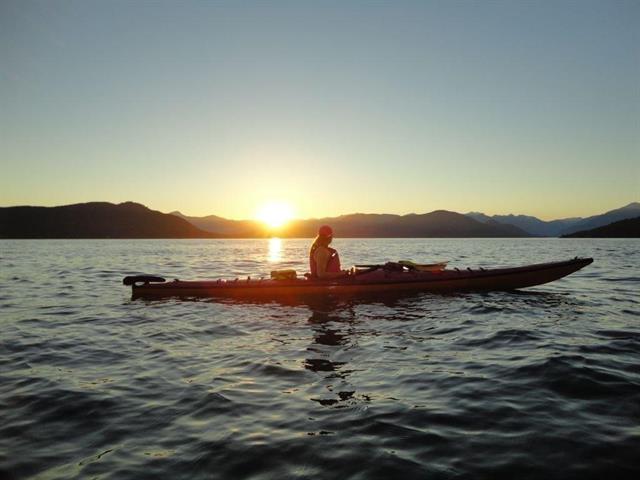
<point>275,214</point>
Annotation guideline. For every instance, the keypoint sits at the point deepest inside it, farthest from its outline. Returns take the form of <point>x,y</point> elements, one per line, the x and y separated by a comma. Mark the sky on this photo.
<point>529,107</point>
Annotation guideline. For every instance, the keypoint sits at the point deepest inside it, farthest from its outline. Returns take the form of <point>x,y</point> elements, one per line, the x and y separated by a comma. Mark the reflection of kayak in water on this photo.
<point>391,277</point>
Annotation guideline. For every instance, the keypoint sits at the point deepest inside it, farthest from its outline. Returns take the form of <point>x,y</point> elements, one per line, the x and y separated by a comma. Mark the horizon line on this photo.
<point>327,216</point>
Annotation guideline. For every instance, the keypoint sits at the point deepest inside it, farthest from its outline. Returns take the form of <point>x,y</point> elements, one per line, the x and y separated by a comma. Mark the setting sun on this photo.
<point>275,214</point>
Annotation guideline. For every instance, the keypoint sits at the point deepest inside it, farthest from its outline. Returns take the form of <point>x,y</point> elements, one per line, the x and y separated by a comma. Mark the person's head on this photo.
<point>325,235</point>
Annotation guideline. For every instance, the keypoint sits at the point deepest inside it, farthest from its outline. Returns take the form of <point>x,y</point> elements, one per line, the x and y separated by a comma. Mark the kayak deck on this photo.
<point>376,281</point>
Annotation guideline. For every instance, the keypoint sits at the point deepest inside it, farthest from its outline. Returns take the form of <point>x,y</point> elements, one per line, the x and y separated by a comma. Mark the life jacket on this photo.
<point>333,264</point>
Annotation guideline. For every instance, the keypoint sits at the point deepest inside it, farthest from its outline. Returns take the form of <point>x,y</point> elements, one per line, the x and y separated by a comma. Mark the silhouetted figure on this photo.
<point>324,261</point>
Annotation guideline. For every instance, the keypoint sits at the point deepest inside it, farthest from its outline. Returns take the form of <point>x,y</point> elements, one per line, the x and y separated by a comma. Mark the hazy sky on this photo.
<point>334,107</point>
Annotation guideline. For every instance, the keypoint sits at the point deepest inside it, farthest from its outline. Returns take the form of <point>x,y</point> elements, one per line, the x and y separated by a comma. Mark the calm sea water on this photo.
<point>542,384</point>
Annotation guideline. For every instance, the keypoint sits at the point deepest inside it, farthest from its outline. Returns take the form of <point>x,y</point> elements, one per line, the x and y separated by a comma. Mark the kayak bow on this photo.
<point>378,280</point>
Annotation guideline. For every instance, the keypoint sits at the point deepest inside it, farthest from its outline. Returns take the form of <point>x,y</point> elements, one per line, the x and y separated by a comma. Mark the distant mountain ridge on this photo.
<point>440,223</point>
<point>94,220</point>
<point>133,220</point>
<point>224,226</point>
<point>554,228</point>
<point>629,228</point>
<point>628,211</point>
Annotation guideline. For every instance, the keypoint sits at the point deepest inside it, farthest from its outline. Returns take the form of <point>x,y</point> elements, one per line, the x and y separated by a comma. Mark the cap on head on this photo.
<point>325,231</point>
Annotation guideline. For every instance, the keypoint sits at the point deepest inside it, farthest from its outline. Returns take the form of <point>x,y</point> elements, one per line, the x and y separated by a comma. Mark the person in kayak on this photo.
<point>324,261</point>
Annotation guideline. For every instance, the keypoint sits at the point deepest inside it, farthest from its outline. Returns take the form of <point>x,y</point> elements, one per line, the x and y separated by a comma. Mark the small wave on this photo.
<point>73,409</point>
<point>211,404</point>
<point>614,347</point>
<point>621,334</point>
<point>570,377</point>
<point>503,337</point>
<point>622,279</point>
<point>22,280</point>
<point>482,309</point>
<point>273,370</point>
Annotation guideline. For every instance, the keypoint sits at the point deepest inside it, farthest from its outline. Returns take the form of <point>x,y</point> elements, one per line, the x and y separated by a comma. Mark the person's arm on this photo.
<point>322,259</point>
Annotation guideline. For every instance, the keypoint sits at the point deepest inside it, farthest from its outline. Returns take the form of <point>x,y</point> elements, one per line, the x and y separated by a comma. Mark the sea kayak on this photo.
<point>376,280</point>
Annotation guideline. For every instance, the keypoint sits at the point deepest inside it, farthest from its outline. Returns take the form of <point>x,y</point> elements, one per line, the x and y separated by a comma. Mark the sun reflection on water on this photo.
<point>275,250</point>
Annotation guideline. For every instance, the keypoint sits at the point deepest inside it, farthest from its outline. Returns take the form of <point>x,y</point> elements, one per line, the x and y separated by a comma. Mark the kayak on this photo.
<point>372,280</point>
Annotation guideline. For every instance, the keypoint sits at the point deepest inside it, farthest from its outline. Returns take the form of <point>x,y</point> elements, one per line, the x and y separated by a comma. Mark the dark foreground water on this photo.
<point>542,384</point>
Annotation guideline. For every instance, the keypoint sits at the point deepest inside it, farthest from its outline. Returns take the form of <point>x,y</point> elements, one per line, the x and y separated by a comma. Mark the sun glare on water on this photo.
<point>275,214</point>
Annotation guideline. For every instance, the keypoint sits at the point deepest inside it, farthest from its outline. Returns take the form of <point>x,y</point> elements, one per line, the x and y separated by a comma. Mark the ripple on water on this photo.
<point>503,338</point>
<point>575,377</point>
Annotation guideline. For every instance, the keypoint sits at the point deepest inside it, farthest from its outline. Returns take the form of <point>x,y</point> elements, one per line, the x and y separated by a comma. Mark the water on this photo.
<point>544,384</point>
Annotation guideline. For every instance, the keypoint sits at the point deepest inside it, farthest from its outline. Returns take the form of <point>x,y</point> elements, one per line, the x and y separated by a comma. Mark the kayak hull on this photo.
<point>379,282</point>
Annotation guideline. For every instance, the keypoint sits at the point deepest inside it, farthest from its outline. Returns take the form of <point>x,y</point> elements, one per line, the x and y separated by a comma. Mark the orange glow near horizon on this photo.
<point>275,214</point>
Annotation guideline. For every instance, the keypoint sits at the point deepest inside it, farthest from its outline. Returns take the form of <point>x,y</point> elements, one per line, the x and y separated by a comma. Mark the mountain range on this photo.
<point>224,226</point>
<point>132,220</point>
<point>440,223</point>
<point>554,228</point>
<point>629,228</point>
<point>94,220</point>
